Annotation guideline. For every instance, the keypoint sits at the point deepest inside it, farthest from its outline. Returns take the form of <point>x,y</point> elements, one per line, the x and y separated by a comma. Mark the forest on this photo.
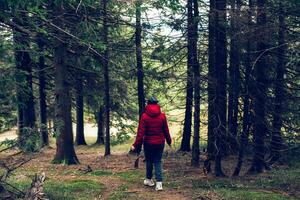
<point>76,77</point>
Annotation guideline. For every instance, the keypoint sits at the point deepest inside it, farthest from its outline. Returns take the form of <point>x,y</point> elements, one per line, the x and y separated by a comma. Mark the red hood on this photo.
<point>152,110</point>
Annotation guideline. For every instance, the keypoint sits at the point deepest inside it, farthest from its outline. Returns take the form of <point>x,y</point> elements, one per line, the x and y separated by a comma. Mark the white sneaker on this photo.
<point>148,182</point>
<point>158,186</point>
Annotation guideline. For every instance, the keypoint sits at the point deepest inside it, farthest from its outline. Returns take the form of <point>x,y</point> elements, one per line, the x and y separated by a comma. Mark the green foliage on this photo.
<point>120,138</point>
<point>8,115</point>
<point>8,143</point>
<point>30,140</point>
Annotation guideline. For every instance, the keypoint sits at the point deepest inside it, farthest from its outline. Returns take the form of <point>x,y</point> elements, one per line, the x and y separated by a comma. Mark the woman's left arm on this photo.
<point>166,130</point>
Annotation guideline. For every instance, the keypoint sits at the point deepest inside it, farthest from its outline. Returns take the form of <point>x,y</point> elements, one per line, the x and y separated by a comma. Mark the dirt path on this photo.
<point>120,173</point>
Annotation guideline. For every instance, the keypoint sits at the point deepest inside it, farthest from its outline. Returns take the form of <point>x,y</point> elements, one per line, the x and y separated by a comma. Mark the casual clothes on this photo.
<point>153,155</point>
<point>153,127</point>
<point>153,132</point>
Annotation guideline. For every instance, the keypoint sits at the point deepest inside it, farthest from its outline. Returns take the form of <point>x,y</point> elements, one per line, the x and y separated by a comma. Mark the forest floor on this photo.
<point>114,178</point>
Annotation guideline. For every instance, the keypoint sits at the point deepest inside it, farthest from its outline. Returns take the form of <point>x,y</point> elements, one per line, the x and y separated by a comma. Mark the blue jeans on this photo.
<point>153,155</point>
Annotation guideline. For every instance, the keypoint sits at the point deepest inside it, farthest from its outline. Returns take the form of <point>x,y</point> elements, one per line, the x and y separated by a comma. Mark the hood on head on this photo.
<point>152,110</point>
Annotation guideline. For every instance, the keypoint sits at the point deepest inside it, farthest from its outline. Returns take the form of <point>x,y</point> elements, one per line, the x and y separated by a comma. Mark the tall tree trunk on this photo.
<point>100,124</point>
<point>260,127</point>
<point>42,93</point>
<point>187,127</point>
<point>234,75</point>
<point>79,112</point>
<point>19,77</point>
<point>246,97</point>
<point>277,141</point>
<point>65,152</point>
<point>106,80</point>
<point>193,56</point>
<point>212,79</point>
<point>139,60</point>
<point>221,70</point>
<point>26,111</point>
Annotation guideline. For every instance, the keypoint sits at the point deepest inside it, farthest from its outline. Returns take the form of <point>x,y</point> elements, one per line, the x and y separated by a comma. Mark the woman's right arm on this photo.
<point>140,133</point>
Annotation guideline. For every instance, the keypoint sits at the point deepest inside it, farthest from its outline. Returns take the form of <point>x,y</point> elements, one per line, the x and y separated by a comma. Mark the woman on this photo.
<point>153,131</point>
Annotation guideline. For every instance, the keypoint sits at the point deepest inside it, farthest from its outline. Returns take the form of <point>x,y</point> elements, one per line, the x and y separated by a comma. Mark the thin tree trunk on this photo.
<point>187,127</point>
<point>139,60</point>
<point>26,111</point>
<point>192,53</point>
<point>246,106</point>
<point>100,125</point>
<point>19,77</point>
<point>234,76</point>
<point>221,70</point>
<point>260,128</point>
<point>277,141</point>
<point>42,93</point>
<point>65,152</point>
<point>79,112</point>
<point>106,80</point>
<point>212,80</point>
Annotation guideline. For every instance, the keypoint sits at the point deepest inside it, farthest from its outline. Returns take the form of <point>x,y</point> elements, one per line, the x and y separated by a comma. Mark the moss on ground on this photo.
<point>66,189</point>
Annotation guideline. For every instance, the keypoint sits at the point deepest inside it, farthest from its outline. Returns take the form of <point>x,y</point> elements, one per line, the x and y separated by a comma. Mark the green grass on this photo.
<point>73,189</point>
<point>266,186</point>
<point>133,176</point>
<point>101,173</point>
<point>122,193</point>
<point>280,179</point>
<point>234,191</point>
<point>119,193</point>
<point>245,194</point>
<point>67,189</point>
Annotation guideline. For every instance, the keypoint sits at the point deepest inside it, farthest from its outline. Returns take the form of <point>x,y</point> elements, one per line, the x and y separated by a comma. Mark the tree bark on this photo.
<point>212,80</point>
<point>26,110</point>
<point>193,57</point>
<point>221,98</point>
<point>234,75</point>
<point>276,140</point>
<point>139,59</point>
<point>246,97</point>
<point>42,93</point>
<point>260,127</point>
<point>106,79</point>
<point>79,112</point>
<point>65,152</point>
<point>187,127</point>
<point>100,124</point>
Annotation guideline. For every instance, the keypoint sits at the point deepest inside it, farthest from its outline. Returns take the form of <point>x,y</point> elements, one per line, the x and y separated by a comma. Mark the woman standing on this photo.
<point>153,131</point>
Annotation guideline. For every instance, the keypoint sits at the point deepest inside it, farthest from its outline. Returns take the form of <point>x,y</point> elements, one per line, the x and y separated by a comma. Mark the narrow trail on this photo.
<point>115,172</point>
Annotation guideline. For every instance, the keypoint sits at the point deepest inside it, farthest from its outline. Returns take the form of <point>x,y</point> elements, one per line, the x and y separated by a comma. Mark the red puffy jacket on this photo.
<point>153,127</point>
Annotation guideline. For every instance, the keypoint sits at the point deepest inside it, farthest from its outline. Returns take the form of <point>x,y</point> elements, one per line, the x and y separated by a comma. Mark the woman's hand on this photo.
<point>132,148</point>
